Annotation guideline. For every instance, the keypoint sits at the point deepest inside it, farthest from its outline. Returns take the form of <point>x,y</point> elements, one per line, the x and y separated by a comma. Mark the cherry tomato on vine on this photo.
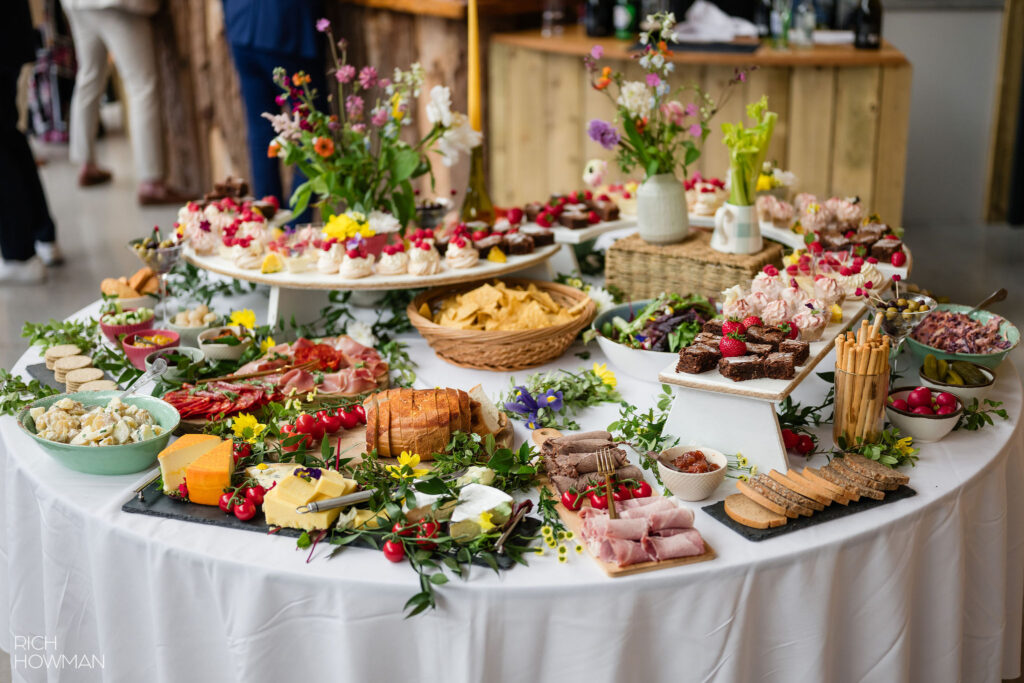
<point>225,503</point>
<point>403,529</point>
<point>331,423</point>
<point>621,493</point>
<point>241,450</point>
<point>254,494</point>
<point>642,490</point>
<point>361,412</point>
<point>245,510</point>
<point>290,430</point>
<point>572,500</point>
<point>349,418</point>
<point>394,551</point>
<point>598,502</point>
<point>427,530</point>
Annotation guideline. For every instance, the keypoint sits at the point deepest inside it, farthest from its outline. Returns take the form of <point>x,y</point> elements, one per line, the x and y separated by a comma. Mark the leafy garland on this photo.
<point>976,416</point>
<point>891,449</point>
<point>548,399</point>
<point>644,432</point>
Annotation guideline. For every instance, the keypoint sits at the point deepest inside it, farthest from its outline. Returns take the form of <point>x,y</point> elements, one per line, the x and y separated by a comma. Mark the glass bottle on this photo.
<point>477,207</point>
<point>867,26</point>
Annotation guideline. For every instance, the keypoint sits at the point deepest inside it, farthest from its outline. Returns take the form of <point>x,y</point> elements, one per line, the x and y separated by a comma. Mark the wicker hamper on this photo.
<point>643,270</point>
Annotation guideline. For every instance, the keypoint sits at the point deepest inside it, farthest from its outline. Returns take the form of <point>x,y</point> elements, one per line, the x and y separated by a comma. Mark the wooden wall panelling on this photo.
<point>774,82</point>
<point>528,142</point>
<point>732,103</point>
<point>856,133</point>
<point>1006,112</point>
<point>810,135</point>
<point>497,144</point>
<point>891,158</point>
<point>561,97</point>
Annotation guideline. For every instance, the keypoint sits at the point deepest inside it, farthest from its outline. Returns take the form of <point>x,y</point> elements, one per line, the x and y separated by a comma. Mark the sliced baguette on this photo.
<point>464,411</point>
<point>370,406</point>
<point>745,511</point>
<point>488,411</point>
<point>836,477</point>
<point>765,501</point>
<point>444,429</point>
<point>839,465</point>
<point>842,488</point>
<point>384,425</point>
<point>805,489</point>
<point>874,470</point>
<point>788,493</point>
<point>419,423</point>
<point>452,400</point>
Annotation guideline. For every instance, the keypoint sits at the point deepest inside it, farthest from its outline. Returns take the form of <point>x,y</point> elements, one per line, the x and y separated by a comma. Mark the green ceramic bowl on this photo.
<point>173,374</point>
<point>126,459</point>
<point>990,360</point>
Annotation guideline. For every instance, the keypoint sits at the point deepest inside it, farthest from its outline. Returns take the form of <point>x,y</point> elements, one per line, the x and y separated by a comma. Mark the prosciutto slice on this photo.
<point>629,529</point>
<point>644,512</point>
<point>622,551</point>
<point>683,544</point>
<point>676,518</point>
<point>641,502</point>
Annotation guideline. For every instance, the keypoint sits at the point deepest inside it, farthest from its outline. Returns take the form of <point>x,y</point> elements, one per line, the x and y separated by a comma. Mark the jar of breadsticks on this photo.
<point>862,385</point>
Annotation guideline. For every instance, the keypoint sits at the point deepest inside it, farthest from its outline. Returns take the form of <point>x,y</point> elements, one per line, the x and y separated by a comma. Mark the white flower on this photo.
<point>658,61</point>
<point>784,178</point>
<point>636,99</point>
<point>645,62</point>
<point>458,139</point>
<point>670,67</point>
<point>361,332</point>
<point>439,109</point>
<point>645,38</point>
<point>382,223</point>
<point>286,127</point>
<point>602,298</point>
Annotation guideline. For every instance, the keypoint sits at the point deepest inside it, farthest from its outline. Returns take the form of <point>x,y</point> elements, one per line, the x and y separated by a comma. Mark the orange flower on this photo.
<point>640,125</point>
<point>273,149</point>
<point>300,79</point>
<point>323,146</point>
<point>605,80</point>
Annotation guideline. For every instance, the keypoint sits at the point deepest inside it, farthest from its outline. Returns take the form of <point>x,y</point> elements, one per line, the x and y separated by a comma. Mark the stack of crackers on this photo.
<point>144,281</point>
<point>75,370</point>
<point>500,307</point>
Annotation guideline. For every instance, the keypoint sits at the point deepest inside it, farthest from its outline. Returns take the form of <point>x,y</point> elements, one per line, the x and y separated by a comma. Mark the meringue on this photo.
<point>811,324</point>
<point>424,261</point>
<point>769,285</point>
<point>329,260</point>
<point>775,313</point>
<point>462,257</point>
<point>757,301</point>
<point>354,268</point>
<point>393,264</point>
<point>829,291</point>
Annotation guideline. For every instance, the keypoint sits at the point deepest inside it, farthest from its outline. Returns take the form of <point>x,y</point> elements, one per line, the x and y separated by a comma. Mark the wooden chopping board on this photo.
<point>574,523</point>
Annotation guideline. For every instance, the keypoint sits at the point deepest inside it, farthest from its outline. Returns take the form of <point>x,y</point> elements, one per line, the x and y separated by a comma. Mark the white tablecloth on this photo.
<point>924,589</point>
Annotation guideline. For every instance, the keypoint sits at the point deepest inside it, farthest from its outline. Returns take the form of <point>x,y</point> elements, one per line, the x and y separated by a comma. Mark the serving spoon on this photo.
<point>994,297</point>
<point>158,368</point>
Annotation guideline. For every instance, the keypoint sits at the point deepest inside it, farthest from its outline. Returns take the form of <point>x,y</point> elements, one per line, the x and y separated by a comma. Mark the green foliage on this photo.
<point>644,432</point>
<point>16,393</point>
<point>891,450</point>
<point>977,416</point>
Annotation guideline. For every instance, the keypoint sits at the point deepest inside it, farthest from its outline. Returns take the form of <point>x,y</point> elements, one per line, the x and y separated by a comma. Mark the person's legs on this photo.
<point>90,83</point>
<point>258,92</point>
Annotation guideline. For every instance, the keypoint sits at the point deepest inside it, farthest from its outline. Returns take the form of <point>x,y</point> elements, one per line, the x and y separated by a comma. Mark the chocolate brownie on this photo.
<point>714,326</point>
<point>707,338</point>
<point>697,358</point>
<point>759,349</point>
<point>739,368</point>
<point>834,241</point>
<point>606,210</point>
<point>779,366</point>
<point>763,334</point>
<point>800,350</point>
<point>266,208</point>
<point>574,220</point>
<point>518,243</point>
<point>542,237</point>
<point>875,229</point>
<point>532,210</point>
<point>863,238</point>
<point>884,249</point>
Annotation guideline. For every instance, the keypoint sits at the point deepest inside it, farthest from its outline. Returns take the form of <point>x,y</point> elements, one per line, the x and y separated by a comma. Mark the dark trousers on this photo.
<point>24,216</point>
<point>256,77</point>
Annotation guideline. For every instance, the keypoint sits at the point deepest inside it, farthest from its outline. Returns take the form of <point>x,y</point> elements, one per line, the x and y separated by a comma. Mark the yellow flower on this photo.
<point>397,112</point>
<point>345,227</point>
<point>267,343</point>
<point>562,550</point>
<point>546,530</point>
<point>753,470</point>
<point>579,548</point>
<point>764,183</point>
<point>484,520</point>
<point>605,375</point>
<point>407,460</point>
<point>244,318</point>
<point>561,558</point>
<point>742,460</point>
<point>569,534</point>
<point>244,423</point>
<point>539,550</point>
<point>263,466</point>
<point>311,395</point>
<point>905,445</point>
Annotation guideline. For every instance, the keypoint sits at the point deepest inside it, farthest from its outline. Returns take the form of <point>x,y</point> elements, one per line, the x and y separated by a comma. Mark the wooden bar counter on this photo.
<point>843,114</point>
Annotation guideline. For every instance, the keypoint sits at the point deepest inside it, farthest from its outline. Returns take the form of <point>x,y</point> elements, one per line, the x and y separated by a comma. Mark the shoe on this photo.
<point>93,175</point>
<point>49,253</point>
<point>155,194</point>
<point>30,272</point>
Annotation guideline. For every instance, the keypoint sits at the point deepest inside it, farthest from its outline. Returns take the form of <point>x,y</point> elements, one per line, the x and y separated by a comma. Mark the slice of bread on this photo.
<point>139,279</point>
<point>488,411</point>
<point>840,465</point>
<point>745,511</point>
<point>841,489</point>
<point>370,406</point>
<point>384,425</point>
<point>836,477</point>
<point>465,412</point>
<point>874,470</point>
<point>756,484</point>
<point>788,493</point>
<point>765,501</point>
<point>802,487</point>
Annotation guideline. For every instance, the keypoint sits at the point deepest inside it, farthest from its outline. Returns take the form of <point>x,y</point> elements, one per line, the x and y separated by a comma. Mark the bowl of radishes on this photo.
<point>922,413</point>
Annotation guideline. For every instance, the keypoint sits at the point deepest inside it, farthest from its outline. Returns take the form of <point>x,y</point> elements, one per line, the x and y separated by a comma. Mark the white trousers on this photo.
<point>129,38</point>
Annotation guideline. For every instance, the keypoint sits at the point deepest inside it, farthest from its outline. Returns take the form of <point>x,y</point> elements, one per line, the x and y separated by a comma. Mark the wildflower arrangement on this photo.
<point>548,399</point>
<point>657,128</point>
<point>354,159</point>
<point>747,149</point>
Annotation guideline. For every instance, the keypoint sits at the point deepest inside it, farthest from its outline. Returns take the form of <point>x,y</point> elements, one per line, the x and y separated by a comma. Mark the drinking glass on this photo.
<point>898,324</point>
<point>161,260</point>
<point>859,407</point>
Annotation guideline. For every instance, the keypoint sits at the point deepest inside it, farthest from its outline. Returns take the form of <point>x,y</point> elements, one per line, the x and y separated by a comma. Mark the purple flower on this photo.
<point>368,77</point>
<point>345,73</point>
<point>740,75</point>
<point>322,25</point>
<point>379,117</point>
<point>333,125</point>
<point>653,80</point>
<point>603,133</point>
<point>354,106</point>
<point>696,130</point>
<point>384,83</point>
<point>281,99</point>
<point>550,399</point>
<point>597,52</point>
<point>531,421</point>
<point>305,125</point>
<point>524,405</point>
<point>691,109</point>
<point>359,128</point>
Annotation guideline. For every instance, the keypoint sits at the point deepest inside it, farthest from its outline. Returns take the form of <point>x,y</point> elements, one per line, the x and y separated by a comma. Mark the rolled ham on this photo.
<point>644,511</point>
<point>676,518</point>
<point>622,552</point>
<point>642,502</point>
<point>682,544</point>
<point>604,526</point>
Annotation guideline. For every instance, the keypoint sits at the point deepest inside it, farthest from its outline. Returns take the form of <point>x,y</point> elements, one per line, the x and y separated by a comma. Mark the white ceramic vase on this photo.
<point>736,230</point>
<point>661,210</point>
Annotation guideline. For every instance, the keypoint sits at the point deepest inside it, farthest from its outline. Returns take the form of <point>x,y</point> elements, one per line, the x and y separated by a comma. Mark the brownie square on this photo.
<point>574,220</point>
<point>740,368</point>
<point>863,238</point>
<point>518,243</point>
<point>707,338</point>
<point>800,350</point>
<point>875,229</point>
<point>606,210</point>
<point>834,241</point>
<point>542,237</point>
<point>779,366</point>
<point>714,326</point>
<point>884,249</point>
<point>756,349</point>
<point>763,334</point>
<point>532,210</point>
<point>697,358</point>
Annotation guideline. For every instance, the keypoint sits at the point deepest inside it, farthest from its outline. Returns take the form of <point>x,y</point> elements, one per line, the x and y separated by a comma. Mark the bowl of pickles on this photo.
<point>963,379</point>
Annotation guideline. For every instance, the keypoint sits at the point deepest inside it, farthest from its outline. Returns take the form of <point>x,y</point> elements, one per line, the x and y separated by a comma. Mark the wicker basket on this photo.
<point>643,270</point>
<point>500,350</point>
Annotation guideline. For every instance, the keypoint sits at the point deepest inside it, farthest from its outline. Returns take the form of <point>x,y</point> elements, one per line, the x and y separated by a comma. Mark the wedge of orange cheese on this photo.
<point>179,455</point>
<point>209,474</point>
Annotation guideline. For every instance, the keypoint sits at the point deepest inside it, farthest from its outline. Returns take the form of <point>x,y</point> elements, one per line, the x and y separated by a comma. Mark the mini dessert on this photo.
<point>574,219</point>
<point>769,282</point>
<point>518,243</point>
<point>704,196</point>
<point>740,368</point>
<point>884,249</point>
<point>779,366</point>
<point>698,358</point>
<point>424,259</point>
<point>828,290</point>
<point>393,260</point>
<point>772,336</point>
<point>329,259</point>
<point>800,350</point>
<point>461,254</point>
<point>757,301</point>
<point>483,241</point>
<point>811,323</point>
<point>794,298</point>
<point>772,210</point>
<point>356,264</point>
<point>606,209</point>
<point>848,213</point>
<point>714,326</point>
<point>541,237</point>
<point>815,217</point>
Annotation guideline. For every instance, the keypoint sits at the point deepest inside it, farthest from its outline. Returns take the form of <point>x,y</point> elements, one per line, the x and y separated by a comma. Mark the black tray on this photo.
<point>45,376</point>
<point>833,511</point>
<point>152,501</point>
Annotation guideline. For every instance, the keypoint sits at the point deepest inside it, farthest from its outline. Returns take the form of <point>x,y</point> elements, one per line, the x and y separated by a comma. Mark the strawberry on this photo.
<point>899,259</point>
<point>479,235</point>
<point>588,195</point>
<point>845,271</point>
<point>815,247</point>
<point>627,195</point>
<point>751,321</point>
<point>872,259</point>
<point>574,197</point>
<point>514,215</point>
<point>459,243</point>
<point>544,220</point>
<point>790,329</point>
<point>604,198</point>
<point>732,345</point>
<point>593,218</point>
<point>352,253</point>
<point>770,270</point>
<point>792,269</point>
<point>730,326</point>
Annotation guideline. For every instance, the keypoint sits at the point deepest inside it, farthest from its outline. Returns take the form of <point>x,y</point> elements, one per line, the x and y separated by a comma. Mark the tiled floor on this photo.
<point>964,262</point>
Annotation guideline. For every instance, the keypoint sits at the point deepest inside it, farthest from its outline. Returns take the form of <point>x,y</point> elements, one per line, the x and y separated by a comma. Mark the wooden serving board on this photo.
<point>574,523</point>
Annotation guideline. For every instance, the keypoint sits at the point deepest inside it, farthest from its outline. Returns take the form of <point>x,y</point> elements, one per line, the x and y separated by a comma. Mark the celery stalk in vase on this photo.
<point>747,150</point>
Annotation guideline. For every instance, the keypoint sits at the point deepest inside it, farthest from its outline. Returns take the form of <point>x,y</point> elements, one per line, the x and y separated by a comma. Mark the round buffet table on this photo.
<point>926,588</point>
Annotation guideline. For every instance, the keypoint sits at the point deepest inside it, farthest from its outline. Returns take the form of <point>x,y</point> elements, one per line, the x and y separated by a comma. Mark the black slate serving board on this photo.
<point>151,501</point>
<point>45,376</point>
<point>833,511</point>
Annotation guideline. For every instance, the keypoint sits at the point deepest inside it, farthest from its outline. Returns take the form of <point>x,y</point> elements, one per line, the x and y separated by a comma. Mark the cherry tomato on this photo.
<point>245,510</point>
<point>572,500</point>
<point>598,502</point>
<point>361,412</point>
<point>403,529</point>
<point>241,450</point>
<point>349,418</point>
<point>621,493</point>
<point>254,494</point>
<point>394,551</point>
<point>290,430</point>
<point>427,530</point>
<point>642,490</point>
<point>330,421</point>
<point>790,439</point>
<point>804,445</point>
<point>307,424</point>
<point>225,503</point>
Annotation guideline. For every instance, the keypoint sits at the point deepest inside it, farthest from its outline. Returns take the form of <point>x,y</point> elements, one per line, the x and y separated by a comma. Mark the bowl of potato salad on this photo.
<point>98,433</point>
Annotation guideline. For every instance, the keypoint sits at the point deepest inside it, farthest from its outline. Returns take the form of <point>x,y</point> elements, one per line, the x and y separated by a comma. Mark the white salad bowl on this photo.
<point>692,487</point>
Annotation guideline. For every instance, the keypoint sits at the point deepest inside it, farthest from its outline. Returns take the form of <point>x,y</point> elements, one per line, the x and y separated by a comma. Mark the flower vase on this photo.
<point>662,217</point>
<point>736,230</point>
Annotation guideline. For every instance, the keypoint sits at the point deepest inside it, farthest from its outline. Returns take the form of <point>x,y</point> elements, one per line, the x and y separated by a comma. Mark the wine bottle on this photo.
<point>626,18</point>
<point>477,209</point>
<point>868,25</point>
<point>597,18</point>
<point>762,18</point>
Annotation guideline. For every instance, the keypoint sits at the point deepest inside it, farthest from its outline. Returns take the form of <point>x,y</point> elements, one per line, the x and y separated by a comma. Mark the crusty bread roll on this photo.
<point>419,421</point>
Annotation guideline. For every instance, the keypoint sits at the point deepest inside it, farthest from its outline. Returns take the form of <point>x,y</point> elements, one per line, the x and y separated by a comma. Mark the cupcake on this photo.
<point>775,313</point>
<point>202,239</point>
<point>811,322</point>
<point>756,301</point>
<point>815,217</point>
<point>828,290</point>
<point>739,308</point>
<point>356,264</point>
<point>802,200</point>
<point>461,254</point>
<point>794,297</point>
<point>298,260</point>
<point>424,259</point>
<point>247,254</point>
<point>768,282</point>
<point>848,214</point>
<point>764,206</point>
<point>782,214</point>
<point>330,257</point>
<point>393,260</point>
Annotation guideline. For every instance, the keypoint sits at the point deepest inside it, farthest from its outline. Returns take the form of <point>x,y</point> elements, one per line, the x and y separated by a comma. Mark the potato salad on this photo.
<point>114,424</point>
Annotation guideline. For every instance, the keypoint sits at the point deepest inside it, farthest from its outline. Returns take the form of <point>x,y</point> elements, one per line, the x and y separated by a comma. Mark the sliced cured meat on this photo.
<point>622,552</point>
<point>641,502</point>
<point>684,544</point>
<point>677,518</point>
<point>598,526</point>
<point>262,364</point>
<point>300,381</point>
<point>644,511</point>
